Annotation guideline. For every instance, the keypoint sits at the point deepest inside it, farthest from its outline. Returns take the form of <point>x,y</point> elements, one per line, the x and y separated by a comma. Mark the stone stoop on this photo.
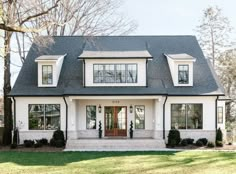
<point>115,145</point>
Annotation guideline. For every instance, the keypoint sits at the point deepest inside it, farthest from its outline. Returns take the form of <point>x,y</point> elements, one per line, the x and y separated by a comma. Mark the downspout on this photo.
<point>216,112</point>
<point>66,116</point>
<point>84,73</point>
<point>14,116</point>
<point>146,73</point>
<point>164,114</point>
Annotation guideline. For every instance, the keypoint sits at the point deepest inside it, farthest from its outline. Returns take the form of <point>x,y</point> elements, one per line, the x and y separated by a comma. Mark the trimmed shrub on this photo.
<point>219,143</point>
<point>219,138</point>
<point>13,146</point>
<point>44,141</point>
<point>52,142</point>
<point>189,140</point>
<point>204,141</point>
<point>58,135</point>
<point>100,129</point>
<point>58,139</point>
<point>38,144</point>
<point>199,143</point>
<point>173,138</point>
<point>210,144</point>
<point>184,142</point>
<point>28,143</point>
<point>59,143</point>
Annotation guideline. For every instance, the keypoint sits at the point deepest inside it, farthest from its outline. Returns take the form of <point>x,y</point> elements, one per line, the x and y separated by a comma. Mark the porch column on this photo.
<point>158,114</point>
<point>72,127</point>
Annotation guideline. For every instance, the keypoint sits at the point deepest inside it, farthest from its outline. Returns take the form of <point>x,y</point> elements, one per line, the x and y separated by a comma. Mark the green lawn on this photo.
<point>118,162</point>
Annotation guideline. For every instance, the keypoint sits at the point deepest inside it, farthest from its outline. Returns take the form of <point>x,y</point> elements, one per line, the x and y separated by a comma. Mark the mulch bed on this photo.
<point>193,147</point>
<point>21,148</point>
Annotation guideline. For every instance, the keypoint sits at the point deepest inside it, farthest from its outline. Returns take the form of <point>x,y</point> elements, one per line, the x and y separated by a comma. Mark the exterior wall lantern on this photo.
<point>131,109</point>
<point>99,108</point>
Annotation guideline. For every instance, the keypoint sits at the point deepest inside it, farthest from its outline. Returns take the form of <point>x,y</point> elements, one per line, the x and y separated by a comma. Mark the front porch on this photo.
<point>115,114</point>
<point>112,144</point>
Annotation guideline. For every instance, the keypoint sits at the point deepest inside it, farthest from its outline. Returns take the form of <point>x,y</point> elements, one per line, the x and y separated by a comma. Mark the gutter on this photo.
<point>66,116</point>
<point>164,114</point>
<point>216,112</point>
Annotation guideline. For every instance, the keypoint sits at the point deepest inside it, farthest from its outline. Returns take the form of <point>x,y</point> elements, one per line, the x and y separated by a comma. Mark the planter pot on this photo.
<point>131,134</point>
<point>100,134</point>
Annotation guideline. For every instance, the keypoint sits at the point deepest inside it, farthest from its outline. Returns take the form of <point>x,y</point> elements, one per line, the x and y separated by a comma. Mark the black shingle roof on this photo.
<point>159,77</point>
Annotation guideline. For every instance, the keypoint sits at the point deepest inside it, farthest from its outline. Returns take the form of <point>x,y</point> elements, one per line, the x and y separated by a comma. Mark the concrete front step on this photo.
<point>114,145</point>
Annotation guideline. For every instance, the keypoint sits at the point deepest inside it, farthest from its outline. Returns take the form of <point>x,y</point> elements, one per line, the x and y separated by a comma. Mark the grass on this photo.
<point>118,162</point>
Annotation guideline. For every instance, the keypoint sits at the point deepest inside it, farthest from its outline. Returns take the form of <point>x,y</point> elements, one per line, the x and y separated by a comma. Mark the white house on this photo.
<point>158,82</point>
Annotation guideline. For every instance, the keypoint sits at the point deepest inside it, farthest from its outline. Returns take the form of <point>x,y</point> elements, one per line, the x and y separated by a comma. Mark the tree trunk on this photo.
<point>7,135</point>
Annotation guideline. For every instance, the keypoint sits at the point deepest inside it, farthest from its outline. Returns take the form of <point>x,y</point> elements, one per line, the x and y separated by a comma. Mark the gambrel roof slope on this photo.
<point>159,79</point>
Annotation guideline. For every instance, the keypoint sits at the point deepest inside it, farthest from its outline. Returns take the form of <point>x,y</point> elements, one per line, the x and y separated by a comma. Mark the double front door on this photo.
<point>115,120</point>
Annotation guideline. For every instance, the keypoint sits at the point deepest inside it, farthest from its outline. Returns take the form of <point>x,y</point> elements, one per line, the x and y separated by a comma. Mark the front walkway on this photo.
<point>106,144</point>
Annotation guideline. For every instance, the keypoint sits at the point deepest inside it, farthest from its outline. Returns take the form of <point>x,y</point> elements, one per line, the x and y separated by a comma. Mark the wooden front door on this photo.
<point>115,120</point>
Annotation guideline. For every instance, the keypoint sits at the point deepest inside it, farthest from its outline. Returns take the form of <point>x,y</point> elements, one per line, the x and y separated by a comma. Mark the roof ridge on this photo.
<point>124,36</point>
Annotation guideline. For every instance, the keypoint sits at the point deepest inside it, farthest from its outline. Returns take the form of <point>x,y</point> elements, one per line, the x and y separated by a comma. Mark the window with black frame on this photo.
<point>44,116</point>
<point>47,74</point>
<point>115,73</point>
<point>140,117</point>
<point>91,117</point>
<point>186,116</point>
<point>183,74</point>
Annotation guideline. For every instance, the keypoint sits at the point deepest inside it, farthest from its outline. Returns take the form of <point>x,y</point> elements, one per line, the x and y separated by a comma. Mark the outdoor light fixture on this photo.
<point>99,109</point>
<point>131,109</point>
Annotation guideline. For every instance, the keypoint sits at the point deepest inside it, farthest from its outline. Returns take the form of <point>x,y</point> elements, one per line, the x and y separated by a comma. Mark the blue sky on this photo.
<point>167,17</point>
<point>173,17</point>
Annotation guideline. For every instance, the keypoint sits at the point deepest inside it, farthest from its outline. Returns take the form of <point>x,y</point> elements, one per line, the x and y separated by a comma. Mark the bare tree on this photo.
<point>14,17</point>
<point>213,33</point>
<point>81,17</point>
<point>227,73</point>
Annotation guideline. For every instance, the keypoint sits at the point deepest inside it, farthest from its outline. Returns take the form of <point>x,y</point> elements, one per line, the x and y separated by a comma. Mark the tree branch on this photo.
<point>39,14</point>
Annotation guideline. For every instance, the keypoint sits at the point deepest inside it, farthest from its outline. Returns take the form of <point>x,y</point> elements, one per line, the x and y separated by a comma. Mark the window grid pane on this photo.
<point>91,117</point>
<point>36,117</point>
<point>47,74</point>
<point>139,117</point>
<point>52,117</point>
<point>115,73</point>
<point>194,116</point>
<point>183,74</point>
<point>178,116</point>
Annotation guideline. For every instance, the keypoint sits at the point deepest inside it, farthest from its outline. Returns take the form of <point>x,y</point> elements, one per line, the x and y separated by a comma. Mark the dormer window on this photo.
<point>47,78</point>
<point>49,69</point>
<point>115,73</point>
<point>181,68</point>
<point>183,74</point>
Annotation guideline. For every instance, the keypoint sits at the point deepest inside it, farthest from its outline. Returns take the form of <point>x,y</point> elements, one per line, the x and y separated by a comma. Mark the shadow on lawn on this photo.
<point>63,158</point>
<point>159,159</point>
